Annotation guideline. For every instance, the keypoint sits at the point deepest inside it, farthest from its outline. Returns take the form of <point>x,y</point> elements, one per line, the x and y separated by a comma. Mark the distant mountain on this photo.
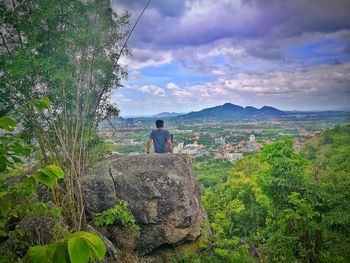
<point>271,111</point>
<point>232,111</point>
<point>167,114</point>
<point>347,109</point>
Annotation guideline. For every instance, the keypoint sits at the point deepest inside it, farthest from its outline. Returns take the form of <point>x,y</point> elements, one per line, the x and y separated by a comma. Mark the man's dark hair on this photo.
<point>159,123</point>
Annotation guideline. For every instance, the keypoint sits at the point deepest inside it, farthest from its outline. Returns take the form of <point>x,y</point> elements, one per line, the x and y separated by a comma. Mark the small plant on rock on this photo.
<point>119,212</point>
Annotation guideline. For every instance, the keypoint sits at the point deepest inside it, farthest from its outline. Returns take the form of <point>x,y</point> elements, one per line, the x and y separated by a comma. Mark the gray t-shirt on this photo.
<point>160,137</point>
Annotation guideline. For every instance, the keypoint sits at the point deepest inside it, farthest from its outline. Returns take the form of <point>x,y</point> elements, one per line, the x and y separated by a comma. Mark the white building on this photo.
<point>252,138</point>
<point>191,149</point>
<point>220,141</point>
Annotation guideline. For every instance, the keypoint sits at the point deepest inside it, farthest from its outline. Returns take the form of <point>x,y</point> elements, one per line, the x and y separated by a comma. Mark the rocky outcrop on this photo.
<point>162,193</point>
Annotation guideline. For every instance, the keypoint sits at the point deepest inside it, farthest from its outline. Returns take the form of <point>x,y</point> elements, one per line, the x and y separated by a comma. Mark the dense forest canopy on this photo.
<point>280,206</point>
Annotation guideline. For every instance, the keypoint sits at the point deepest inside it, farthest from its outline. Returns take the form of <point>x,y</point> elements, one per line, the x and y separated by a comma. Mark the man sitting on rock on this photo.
<point>161,139</point>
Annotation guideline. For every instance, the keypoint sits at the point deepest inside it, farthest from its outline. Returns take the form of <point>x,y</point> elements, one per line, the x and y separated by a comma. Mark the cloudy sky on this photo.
<point>193,54</point>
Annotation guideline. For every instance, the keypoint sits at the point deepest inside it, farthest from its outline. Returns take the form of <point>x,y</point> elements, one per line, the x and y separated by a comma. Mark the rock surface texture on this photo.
<point>162,193</point>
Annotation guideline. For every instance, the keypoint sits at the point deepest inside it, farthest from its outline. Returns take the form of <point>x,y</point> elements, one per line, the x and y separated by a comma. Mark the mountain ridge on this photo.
<point>167,114</point>
<point>233,111</point>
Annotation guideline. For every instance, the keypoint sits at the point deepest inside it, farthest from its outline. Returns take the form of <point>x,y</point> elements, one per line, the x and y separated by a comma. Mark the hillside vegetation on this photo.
<point>58,68</point>
<point>280,206</point>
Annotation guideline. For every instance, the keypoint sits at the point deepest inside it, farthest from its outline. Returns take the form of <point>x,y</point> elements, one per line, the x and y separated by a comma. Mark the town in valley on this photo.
<point>216,139</point>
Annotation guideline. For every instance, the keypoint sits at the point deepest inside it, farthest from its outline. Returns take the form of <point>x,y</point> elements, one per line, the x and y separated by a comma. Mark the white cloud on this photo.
<point>319,87</point>
<point>257,52</point>
<point>178,93</point>
<point>218,72</point>
<point>152,89</point>
<point>321,79</point>
<point>142,58</point>
<point>172,86</point>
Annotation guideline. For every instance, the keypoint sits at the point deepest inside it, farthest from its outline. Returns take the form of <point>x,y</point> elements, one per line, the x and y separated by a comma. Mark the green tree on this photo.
<point>292,221</point>
<point>285,174</point>
<point>66,51</point>
<point>237,210</point>
<point>329,176</point>
<point>280,206</point>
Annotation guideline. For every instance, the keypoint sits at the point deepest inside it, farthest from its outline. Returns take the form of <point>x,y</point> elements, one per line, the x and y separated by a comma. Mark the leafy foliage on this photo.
<point>49,175</point>
<point>211,171</point>
<point>16,202</point>
<point>118,213</point>
<point>17,192</point>
<point>78,247</point>
<point>329,172</point>
<point>12,147</point>
<point>285,173</point>
<point>59,66</point>
<point>280,206</point>
<point>237,210</point>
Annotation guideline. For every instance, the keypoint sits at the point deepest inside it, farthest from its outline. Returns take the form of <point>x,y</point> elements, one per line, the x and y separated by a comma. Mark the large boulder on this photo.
<point>162,193</point>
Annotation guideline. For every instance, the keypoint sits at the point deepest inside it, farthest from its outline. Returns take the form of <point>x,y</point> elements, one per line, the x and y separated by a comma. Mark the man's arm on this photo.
<point>148,146</point>
<point>170,146</point>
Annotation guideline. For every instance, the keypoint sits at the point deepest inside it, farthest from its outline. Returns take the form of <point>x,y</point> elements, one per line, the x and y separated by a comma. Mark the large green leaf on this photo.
<point>43,178</point>
<point>52,171</point>
<point>7,123</point>
<point>49,175</point>
<point>61,254</point>
<point>37,254</point>
<point>79,251</point>
<point>96,245</point>
<point>97,248</point>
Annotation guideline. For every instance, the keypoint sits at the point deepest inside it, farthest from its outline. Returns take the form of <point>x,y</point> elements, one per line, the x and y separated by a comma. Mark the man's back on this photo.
<point>160,136</point>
